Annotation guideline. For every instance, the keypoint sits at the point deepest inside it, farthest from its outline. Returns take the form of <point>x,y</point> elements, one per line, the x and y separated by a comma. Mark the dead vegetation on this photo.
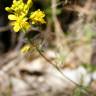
<point>68,40</point>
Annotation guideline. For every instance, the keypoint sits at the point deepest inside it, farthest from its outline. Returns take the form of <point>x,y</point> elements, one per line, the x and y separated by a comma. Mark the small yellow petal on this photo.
<point>26,26</point>
<point>33,22</point>
<point>8,9</point>
<point>16,27</point>
<point>26,48</point>
<point>12,17</point>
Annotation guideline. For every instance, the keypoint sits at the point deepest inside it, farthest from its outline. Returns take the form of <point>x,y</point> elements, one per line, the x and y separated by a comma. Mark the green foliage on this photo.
<point>77,92</point>
<point>89,67</point>
<point>88,32</point>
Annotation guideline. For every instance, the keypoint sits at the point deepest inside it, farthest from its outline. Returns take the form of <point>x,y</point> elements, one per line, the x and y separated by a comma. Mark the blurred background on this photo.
<point>68,40</point>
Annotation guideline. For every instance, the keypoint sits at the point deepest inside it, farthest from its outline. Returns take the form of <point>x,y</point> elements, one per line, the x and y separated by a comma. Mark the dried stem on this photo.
<point>58,69</point>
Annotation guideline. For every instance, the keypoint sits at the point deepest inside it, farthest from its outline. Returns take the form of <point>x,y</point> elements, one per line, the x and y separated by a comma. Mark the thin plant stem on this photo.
<point>58,69</point>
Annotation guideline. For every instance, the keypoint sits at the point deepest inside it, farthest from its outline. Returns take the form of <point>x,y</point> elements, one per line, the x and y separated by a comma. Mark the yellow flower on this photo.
<point>26,48</point>
<point>37,17</point>
<point>19,7</point>
<point>19,22</point>
<point>20,15</point>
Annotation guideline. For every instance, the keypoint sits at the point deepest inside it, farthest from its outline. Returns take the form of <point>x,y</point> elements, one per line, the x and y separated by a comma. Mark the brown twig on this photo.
<point>6,28</point>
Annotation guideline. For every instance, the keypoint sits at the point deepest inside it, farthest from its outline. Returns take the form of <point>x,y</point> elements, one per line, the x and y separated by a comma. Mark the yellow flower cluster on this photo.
<point>19,15</point>
<point>19,7</point>
<point>37,17</point>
